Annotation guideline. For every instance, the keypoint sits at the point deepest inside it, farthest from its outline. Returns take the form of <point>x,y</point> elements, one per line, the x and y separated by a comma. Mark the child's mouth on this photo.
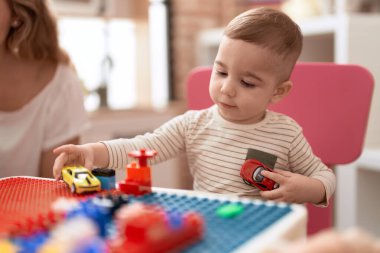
<point>227,106</point>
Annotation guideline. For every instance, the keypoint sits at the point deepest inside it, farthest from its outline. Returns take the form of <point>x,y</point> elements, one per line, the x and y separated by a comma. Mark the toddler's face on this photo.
<point>244,80</point>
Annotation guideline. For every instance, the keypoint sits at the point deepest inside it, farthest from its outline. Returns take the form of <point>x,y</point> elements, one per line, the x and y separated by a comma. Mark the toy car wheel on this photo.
<point>73,189</point>
<point>245,181</point>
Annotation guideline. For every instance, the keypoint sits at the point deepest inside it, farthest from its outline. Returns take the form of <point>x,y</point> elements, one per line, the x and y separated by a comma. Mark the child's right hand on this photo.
<point>294,188</point>
<point>80,155</point>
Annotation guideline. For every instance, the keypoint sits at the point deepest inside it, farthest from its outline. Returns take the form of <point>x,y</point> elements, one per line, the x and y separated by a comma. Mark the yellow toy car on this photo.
<point>80,180</point>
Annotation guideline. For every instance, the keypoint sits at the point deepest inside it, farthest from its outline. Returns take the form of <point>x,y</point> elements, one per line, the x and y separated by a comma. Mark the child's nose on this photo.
<point>228,88</point>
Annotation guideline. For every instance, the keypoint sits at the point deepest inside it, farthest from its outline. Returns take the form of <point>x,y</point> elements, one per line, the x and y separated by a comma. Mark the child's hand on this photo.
<point>81,155</point>
<point>294,188</point>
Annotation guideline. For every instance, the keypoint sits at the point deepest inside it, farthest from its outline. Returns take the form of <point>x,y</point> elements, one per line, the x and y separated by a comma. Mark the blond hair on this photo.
<point>36,36</point>
<point>268,28</point>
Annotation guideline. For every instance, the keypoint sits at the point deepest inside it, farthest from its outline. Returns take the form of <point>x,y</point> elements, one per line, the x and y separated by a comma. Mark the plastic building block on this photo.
<point>72,236</point>
<point>134,188</point>
<point>99,214</point>
<point>111,201</point>
<point>34,224</point>
<point>230,210</point>
<point>138,181</point>
<point>142,155</point>
<point>24,200</point>
<point>106,177</point>
<point>30,243</point>
<point>148,228</point>
<point>221,234</point>
<point>139,174</point>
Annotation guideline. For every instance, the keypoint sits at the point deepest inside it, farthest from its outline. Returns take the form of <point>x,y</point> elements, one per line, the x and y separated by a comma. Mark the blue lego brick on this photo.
<point>221,234</point>
<point>106,177</point>
<point>107,183</point>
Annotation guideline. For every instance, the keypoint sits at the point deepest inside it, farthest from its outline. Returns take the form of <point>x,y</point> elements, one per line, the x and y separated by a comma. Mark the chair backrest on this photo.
<point>330,101</point>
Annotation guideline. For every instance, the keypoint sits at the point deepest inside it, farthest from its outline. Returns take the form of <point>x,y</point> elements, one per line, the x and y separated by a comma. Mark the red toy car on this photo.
<point>251,174</point>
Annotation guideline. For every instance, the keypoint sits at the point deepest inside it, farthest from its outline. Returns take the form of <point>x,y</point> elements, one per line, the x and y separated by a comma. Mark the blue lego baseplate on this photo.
<point>221,234</point>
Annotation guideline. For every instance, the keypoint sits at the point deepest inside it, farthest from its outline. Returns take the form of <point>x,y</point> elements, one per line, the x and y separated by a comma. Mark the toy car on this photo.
<point>80,180</point>
<point>251,174</point>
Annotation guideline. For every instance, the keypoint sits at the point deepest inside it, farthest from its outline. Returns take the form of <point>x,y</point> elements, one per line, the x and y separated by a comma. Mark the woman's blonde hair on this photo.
<point>36,36</point>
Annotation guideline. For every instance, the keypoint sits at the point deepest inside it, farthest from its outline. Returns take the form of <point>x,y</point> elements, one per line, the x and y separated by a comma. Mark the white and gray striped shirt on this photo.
<point>216,149</point>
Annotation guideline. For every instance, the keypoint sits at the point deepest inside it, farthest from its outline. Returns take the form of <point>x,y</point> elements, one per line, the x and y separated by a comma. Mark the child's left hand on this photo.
<point>294,188</point>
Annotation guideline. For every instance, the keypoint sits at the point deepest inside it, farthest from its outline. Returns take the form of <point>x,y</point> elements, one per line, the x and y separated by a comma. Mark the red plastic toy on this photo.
<point>251,174</point>
<point>150,229</point>
<point>138,180</point>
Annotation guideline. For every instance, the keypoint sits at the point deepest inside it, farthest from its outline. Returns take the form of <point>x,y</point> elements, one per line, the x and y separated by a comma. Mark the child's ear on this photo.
<point>281,91</point>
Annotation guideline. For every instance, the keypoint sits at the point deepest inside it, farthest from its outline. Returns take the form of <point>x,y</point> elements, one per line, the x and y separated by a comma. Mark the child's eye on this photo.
<point>221,73</point>
<point>246,84</point>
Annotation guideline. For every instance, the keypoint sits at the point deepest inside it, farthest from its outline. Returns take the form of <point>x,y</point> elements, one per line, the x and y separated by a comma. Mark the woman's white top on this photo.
<point>52,117</point>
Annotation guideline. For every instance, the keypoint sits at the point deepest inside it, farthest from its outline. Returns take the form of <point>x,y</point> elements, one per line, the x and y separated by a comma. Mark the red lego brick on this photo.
<point>138,174</point>
<point>134,188</point>
<point>148,229</point>
<point>138,180</point>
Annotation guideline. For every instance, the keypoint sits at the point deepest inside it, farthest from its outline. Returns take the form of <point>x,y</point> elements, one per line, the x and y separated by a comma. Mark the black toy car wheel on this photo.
<point>246,182</point>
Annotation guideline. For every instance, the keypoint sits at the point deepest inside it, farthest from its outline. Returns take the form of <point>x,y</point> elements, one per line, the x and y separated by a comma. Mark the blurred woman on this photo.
<point>41,101</point>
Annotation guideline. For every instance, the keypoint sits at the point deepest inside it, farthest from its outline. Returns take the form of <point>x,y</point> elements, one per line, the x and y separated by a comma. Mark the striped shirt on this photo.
<point>216,149</point>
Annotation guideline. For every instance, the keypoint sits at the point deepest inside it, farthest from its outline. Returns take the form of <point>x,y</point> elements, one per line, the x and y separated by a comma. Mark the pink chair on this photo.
<point>330,101</point>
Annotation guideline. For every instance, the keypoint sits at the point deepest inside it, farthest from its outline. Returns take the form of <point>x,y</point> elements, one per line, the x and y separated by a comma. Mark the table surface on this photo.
<point>259,225</point>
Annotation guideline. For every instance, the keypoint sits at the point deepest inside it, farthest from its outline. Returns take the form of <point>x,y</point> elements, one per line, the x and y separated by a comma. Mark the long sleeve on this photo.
<point>216,149</point>
<point>303,161</point>
<point>168,140</point>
